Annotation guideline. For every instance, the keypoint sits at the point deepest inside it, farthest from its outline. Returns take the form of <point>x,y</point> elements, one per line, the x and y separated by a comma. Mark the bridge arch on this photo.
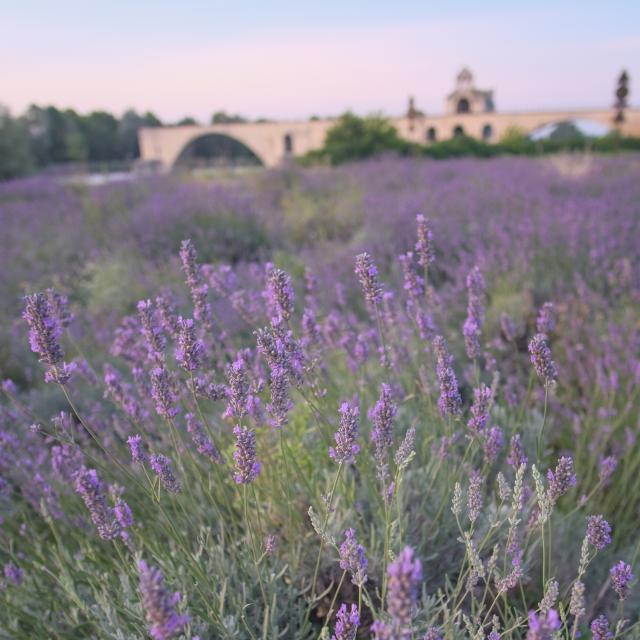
<point>213,142</point>
<point>212,146</point>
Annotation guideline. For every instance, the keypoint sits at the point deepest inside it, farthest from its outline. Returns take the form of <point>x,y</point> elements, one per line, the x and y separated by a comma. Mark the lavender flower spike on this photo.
<point>424,245</point>
<point>159,605</point>
<point>405,573</point>
<point>13,573</point>
<point>367,273</point>
<point>44,337</point>
<point>450,402</point>
<point>475,313</point>
<point>151,331</point>
<point>543,627</point>
<point>382,416</point>
<point>136,445</point>
<point>600,629</point>
<point>193,278</point>
<point>562,479</point>
<point>162,467</point>
<point>546,321</point>
<point>202,442</point>
<point>163,393</point>
<point>190,350</point>
<point>346,448</point>
<point>280,294</point>
<point>247,467</point>
<point>621,576</point>
<point>480,408</point>
<point>598,532</point>
<point>92,490</point>
<point>353,559</point>
<point>347,622</point>
<point>541,359</point>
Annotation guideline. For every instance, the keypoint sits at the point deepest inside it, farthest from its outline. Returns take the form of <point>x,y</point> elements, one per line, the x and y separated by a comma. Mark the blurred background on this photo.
<point>79,81</point>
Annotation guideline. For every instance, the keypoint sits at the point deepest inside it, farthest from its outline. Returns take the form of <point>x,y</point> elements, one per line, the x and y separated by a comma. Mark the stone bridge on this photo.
<point>274,142</point>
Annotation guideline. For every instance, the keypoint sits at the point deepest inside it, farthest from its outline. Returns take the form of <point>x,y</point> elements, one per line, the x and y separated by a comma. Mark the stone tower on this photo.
<point>465,98</point>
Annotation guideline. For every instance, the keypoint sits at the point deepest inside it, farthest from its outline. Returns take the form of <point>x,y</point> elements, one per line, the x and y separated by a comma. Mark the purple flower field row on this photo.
<point>393,400</point>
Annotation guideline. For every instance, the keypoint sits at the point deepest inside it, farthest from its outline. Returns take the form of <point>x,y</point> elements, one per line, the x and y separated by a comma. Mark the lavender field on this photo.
<point>396,399</point>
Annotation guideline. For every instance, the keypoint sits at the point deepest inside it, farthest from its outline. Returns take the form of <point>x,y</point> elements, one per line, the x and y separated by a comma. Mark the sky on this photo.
<point>291,59</point>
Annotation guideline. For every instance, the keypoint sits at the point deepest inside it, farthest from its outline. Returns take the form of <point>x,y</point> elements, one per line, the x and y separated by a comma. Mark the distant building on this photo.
<point>467,99</point>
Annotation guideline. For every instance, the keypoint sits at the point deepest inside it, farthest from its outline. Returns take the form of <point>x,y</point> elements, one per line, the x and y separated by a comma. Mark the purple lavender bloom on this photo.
<point>280,294</point>
<point>543,627</point>
<point>347,622</point>
<point>598,532</point>
<point>508,328</point>
<point>475,313</point>
<point>123,515</point>
<point>280,404</point>
<point>202,442</point>
<point>607,467</point>
<point>163,393</point>
<point>600,629</point>
<point>353,558</point>
<point>44,338</point>
<point>480,408</point>
<point>168,317</point>
<point>474,496</point>
<point>433,633</point>
<point>493,443</point>
<point>92,491</point>
<point>193,277</point>
<point>237,390</point>
<point>541,359</point>
<point>546,321</point>
<point>136,445</point>
<point>471,334</point>
<point>562,479</point>
<point>189,351</point>
<point>516,455</point>
<point>621,576</point>
<point>367,273</point>
<point>247,467</point>
<point>346,448</point>
<point>9,386</point>
<point>161,465</point>
<point>13,574</point>
<point>310,327</point>
<point>476,294</point>
<point>59,305</point>
<point>270,544</point>
<point>382,415</point>
<point>413,283</point>
<point>450,402</point>
<point>424,245</point>
<point>404,575</point>
<point>151,331</point>
<point>66,459</point>
<point>159,605</point>
<point>120,392</point>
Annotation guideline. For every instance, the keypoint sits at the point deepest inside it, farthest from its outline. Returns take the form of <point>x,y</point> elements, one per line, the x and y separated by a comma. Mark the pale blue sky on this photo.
<point>291,59</point>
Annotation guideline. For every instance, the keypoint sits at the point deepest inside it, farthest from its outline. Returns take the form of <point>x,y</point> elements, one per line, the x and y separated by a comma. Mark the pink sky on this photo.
<point>295,72</point>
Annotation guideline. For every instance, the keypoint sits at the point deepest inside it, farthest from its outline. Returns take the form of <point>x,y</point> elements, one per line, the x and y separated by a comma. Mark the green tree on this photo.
<point>622,94</point>
<point>353,137</point>
<point>15,149</point>
<point>188,120</point>
<point>101,131</point>
<point>222,117</point>
<point>128,126</point>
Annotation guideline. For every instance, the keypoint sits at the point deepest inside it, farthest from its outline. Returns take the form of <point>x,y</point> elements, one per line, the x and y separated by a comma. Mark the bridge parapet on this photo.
<point>273,142</point>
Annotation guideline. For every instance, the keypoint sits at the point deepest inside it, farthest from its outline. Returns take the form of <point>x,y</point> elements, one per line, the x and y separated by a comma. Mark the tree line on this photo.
<point>46,136</point>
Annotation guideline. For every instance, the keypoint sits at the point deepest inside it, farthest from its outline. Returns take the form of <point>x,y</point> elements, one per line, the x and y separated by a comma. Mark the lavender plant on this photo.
<point>289,482</point>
